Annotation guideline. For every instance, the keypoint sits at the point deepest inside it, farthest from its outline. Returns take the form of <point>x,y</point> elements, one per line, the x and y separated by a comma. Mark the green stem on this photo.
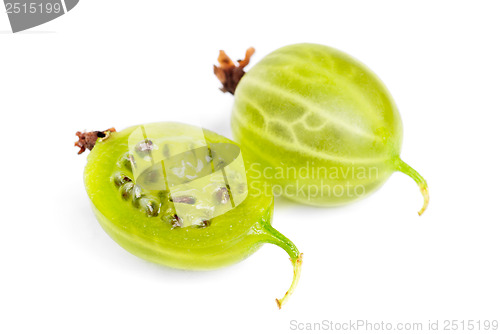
<point>403,167</point>
<point>273,236</point>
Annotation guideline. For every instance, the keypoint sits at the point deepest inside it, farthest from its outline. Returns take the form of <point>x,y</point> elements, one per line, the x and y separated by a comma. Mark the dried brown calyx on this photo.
<point>228,73</point>
<point>87,140</point>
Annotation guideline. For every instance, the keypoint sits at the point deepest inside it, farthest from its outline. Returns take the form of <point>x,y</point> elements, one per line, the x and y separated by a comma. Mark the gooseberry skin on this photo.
<point>230,238</point>
<point>309,106</point>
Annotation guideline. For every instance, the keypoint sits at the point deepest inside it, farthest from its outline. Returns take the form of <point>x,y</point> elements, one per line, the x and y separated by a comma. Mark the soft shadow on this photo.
<point>283,202</point>
<point>220,126</point>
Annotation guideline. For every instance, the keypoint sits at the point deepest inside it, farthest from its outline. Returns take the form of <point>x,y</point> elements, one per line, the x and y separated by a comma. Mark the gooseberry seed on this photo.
<point>222,195</point>
<point>184,199</point>
<point>127,189</point>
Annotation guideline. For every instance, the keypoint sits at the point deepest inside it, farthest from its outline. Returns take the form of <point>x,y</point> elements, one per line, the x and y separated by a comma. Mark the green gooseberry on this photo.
<point>162,192</point>
<point>323,127</point>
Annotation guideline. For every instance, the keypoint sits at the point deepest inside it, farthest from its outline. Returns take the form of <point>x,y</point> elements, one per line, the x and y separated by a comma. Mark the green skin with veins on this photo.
<point>230,237</point>
<point>321,125</point>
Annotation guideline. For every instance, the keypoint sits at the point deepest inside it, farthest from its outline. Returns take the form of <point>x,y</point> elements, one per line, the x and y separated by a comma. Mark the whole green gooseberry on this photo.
<point>322,128</point>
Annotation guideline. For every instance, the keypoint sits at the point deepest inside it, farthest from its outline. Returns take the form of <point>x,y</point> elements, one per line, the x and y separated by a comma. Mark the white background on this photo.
<point>120,63</point>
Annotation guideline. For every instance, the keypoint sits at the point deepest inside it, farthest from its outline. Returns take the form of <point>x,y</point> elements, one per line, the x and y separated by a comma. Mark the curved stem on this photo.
<point>403,167</point>
<point>274,237</point>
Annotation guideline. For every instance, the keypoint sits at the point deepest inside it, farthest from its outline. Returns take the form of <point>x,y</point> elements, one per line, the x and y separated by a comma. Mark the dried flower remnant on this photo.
<point>228,73</point>
<point>87,140</point>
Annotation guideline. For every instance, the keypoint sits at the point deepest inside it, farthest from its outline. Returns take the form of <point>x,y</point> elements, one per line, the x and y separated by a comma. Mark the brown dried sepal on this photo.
<point>87,140</point>
<point>228,73</point>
